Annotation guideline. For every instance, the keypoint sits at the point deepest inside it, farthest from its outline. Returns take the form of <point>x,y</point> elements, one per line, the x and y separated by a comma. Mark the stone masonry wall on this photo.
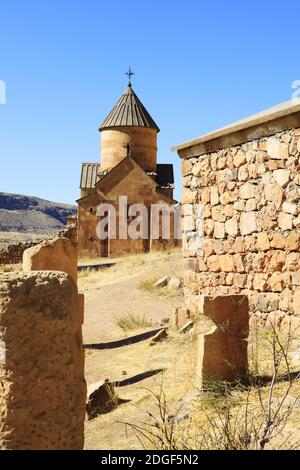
<point>42,386</point>
<point>251,198</point>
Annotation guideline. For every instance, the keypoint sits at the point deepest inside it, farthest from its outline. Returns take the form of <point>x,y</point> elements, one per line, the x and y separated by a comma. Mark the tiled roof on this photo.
<point>129,111</point>
<point>89,172</point>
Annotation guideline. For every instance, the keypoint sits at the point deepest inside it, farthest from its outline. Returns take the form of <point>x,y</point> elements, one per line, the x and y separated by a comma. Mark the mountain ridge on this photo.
<point>22,213</point>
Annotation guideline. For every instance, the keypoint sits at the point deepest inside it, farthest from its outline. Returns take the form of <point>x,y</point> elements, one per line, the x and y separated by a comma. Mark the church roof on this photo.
<point>89,173</point>
<point>129,111</point>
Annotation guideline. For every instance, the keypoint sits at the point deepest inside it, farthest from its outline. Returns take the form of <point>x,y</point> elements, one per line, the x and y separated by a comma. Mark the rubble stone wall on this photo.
<point>13,253</point>
<point>251,198</point>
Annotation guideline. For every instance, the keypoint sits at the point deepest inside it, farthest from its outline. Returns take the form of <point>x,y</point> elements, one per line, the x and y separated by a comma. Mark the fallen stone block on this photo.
<point>174,283</point>
<point>160,336</point>
<point>102,399</point>
<point>163,282</point>
<point>188,326</point>
<point>180,316</point>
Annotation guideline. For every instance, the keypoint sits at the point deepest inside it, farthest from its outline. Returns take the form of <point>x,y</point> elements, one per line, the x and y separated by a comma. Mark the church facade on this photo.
<point>127,171</point>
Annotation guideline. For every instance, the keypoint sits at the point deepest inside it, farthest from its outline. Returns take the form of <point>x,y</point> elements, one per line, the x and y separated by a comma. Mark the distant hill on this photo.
<point>29,214</point>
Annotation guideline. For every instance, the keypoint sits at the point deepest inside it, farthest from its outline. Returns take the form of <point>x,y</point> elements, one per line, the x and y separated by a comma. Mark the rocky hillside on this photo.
<point>30,214</point>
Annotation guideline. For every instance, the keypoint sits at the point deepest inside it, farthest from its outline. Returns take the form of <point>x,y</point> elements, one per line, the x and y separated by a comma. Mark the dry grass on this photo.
<point>261,414</point>
<point>8,268</point>
<point>176,355</point>
<point>148,285</point>
<point>16,237</point>
<point>214,419</point>
<point>132,322</point>
<point>127,267</point>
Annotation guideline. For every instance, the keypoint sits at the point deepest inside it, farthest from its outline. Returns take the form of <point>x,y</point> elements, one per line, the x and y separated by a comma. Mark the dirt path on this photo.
<point>108,296</point>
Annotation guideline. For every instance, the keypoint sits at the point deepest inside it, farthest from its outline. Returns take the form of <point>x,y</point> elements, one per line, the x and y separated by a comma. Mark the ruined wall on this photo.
<point>57,254</point>
<point>13,253</point>
<point>251,195</point>
<point>42,387</point>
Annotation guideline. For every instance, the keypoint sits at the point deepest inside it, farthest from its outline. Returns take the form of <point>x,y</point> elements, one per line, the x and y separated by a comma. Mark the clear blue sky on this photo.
<point>199,65</point>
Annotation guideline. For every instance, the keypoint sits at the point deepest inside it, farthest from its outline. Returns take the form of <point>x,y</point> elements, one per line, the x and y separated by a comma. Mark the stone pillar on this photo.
<point>222,354</point>
<point>42,386</point>
<point>57,254</point>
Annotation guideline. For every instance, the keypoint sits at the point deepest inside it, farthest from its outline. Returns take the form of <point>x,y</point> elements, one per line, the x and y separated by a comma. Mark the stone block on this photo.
<point>285,221</point>
<point>248,223</point>
<point>57,254</point>
<point>219,230</point>
<point>181,316</point>
<point>221,357</point>
<point>281,177</point>
<point>277,150</point>
<point>230,313</point>
<point>231,227</point>
<point>42,400</point>
<point>222,352</point>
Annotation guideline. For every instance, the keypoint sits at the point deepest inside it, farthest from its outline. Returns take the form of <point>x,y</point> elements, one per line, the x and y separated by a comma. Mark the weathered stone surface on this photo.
<point>221,357</point>
<point>42,400</point>
<point>239,159</point>
<point>277,150</point>
<point>226,263</point>
<point>214,196</point>
<point>57,254</point>
<point>248,223</point>
<point>274,194</point>
<point>247,191</point>
<point>13,253</point>
<point>162,282</point>
<point>187,326</point>
<point>231,227</point>
<point>281,177</point>
<point>222,353</point>
<point>181,316</point>
<point>289,208</point>
<point>174,282</point>
<point>230,313</point>
<point>219,230</point>
<point>278,241</point>
<point>285,221</point>
<point>262,242</point>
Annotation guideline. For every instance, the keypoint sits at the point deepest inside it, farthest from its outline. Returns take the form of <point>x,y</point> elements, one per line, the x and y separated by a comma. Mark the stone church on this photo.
<point>128,167</point>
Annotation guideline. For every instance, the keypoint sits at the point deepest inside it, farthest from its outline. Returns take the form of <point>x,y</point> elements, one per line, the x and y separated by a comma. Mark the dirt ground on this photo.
<point>111,294</point>
<point>115,292</point>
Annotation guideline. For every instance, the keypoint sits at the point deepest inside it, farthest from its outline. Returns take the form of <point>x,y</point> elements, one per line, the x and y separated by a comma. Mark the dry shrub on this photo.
<point>258,414</point>
<point>132,321</point>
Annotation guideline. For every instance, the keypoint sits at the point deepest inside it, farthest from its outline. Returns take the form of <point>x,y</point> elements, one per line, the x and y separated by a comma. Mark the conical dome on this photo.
<point>129,111</point>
